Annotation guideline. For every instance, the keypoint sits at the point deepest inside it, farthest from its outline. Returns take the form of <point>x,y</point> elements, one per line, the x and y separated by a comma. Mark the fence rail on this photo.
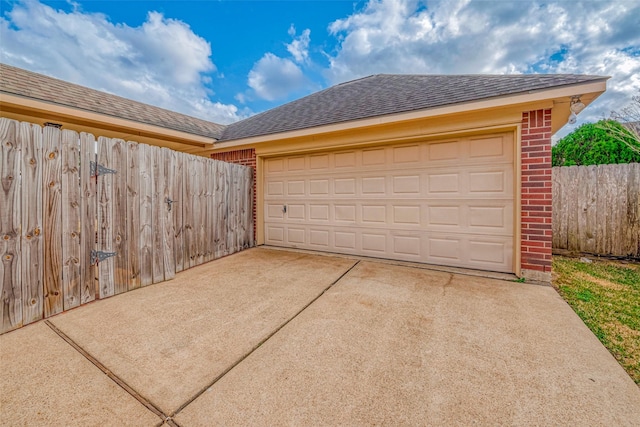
<point>84,219</point>
<point>596,209</point>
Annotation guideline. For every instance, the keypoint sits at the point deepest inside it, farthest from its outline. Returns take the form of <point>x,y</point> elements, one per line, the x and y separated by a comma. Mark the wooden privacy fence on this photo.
<point>82,219</point>
<point>596,209</point>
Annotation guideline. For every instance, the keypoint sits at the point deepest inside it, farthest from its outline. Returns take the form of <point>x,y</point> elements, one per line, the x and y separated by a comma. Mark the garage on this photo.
<point>447,202</point>
<point>451,170</point>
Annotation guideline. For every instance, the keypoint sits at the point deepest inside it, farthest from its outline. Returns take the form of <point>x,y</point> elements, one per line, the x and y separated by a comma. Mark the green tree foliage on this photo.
<point>595,144</point>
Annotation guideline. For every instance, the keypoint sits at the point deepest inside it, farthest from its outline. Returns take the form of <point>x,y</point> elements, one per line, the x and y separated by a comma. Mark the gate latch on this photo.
<point>97,256</point>
<point>168,201</point>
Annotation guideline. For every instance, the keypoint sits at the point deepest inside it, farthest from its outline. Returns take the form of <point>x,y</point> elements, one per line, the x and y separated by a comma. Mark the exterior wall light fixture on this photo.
<point>576,107</point>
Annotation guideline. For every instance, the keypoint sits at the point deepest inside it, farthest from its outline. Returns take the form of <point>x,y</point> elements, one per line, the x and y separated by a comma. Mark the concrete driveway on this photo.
<point>271,337</point>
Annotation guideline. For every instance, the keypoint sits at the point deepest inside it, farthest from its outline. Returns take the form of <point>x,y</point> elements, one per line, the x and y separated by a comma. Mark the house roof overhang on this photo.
<point>80,120</point>
<point>507,109</point>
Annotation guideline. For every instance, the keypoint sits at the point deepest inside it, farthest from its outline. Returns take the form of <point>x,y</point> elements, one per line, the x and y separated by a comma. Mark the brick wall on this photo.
<point>246,158</point>
<point>536,195</point>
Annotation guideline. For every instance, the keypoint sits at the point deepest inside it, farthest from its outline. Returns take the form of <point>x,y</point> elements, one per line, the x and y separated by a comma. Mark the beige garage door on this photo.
<point>446,202</point>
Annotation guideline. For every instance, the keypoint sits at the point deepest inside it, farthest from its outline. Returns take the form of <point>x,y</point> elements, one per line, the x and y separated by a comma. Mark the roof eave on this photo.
<point>589,90</point>
<point>76,115</point>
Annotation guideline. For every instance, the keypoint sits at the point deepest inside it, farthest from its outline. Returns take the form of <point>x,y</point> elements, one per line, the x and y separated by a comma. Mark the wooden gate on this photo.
<point>82,219</point>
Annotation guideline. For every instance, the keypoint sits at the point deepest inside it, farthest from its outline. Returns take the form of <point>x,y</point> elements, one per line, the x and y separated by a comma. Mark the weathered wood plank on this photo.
<point>595,208</point>
<point>190,214</point>
<point>106,268</point>
<point>168,211</point>
<point>52,220</point>
<point>146,215</point>
<point>158,215</point>
<point>178,207</point>
<point>89,212</point>
<point>220,226</point>
<point>133,211</point>
<point>202,205</point>
<point>249,215</point>
<point>118,162</point>
<point>71,220</point>
<point>633,211</point>
<point>31,245</point>
<point>209,218</point>
<point>228,192</point>
<point>10,217</point>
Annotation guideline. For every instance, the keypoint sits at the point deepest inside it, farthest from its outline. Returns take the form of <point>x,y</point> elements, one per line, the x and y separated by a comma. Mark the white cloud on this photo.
<point>274,78</point>
<point>161,62</point>
<point>463,36</point>
<point>299,47</point>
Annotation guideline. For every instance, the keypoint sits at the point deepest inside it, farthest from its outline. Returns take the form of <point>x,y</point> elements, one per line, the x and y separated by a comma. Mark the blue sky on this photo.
<point>226,60</point>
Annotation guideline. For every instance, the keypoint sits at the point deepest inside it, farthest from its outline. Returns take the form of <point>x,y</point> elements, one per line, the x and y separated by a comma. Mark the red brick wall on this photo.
<point>536,191</point>
<point>246,158</point>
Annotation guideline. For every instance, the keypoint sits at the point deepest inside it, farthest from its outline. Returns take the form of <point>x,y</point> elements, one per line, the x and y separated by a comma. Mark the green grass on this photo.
<point>606,296</point>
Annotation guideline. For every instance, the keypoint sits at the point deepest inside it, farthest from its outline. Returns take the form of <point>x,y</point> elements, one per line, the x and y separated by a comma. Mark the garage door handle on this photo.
<point>284,208</point>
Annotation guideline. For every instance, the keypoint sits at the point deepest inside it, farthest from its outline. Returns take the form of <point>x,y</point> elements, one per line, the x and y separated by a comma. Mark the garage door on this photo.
<point>446,202</point>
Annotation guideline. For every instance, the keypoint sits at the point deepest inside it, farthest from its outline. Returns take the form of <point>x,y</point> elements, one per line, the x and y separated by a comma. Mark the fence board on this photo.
<point>190,215</point>
<point>106,268</point>
<point>633,210</point>
<point>119,162</point>
<point>52,220</point>
<point>167,211</point>
<point>11,303</point>
<point>157,215</point>
<point>133,214</point>
<point>71,220</point>
<point>31,245</point>
<point>211,215</point>
<point>178,198</point>
<point>597,209</point>
<point>88,183</point>
<point>146,215</point>
<point>201,206</point>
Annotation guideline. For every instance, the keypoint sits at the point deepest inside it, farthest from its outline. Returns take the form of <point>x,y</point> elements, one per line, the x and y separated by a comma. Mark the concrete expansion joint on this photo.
<point>257,346</point>
<point>126,387</point>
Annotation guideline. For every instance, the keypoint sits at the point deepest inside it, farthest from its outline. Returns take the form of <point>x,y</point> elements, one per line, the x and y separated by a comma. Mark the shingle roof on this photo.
<point>24,83</point>
<point>383,94</point>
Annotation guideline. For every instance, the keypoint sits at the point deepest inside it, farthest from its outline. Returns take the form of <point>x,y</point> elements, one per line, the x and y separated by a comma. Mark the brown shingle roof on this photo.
<point>384,94</point>
<point>17,81</point>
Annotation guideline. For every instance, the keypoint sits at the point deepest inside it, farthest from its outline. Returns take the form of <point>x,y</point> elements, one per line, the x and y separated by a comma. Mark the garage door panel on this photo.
<point>275,188</point>
<point>374,214</point>
<point>444,183</point>
<point>345,160</point>
<point>319,162</point>
<point>319,238</point>
<point>275,234</point>
<point>344,213</point>
<point>407,246</point>
<point>406,184</point>
<point>294,211</point>
<point>374,242</point>
<point>319,212</point>
<point>296,188</point>
<point>447,202</point>
<point>406,154</point>
<point>296,236</point>
<point>406,215</point>
<point>373,157</point>
<point>344,186</point>
<point>345,240</point>
<point>274,211</point>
